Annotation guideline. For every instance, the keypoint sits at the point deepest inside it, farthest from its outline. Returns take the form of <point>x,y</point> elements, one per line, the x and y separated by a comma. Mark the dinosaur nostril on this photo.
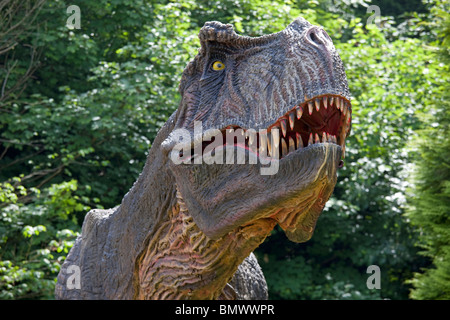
<point>318,37</point>
<point>313,37</point>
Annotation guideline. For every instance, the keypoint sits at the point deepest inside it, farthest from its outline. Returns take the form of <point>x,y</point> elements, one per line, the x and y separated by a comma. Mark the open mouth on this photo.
<point>322,119</point>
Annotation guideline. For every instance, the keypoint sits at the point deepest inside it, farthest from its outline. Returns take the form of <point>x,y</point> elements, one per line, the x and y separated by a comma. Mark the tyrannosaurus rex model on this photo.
<point>256,141</point>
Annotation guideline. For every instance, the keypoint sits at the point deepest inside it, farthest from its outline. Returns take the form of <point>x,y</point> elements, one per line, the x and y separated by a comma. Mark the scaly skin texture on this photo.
<point>186,231</point>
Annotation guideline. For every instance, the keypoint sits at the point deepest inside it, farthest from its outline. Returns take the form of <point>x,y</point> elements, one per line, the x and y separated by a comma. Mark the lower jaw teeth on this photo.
<point>291,145</point>
<point>270,143</point>
<point>284,149</point>
<point>299,140</point>
<point>310,140</point>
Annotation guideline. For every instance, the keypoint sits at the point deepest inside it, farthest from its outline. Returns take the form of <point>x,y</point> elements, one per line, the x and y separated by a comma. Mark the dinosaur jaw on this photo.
<point>294,196</point>
<point>322,119</point>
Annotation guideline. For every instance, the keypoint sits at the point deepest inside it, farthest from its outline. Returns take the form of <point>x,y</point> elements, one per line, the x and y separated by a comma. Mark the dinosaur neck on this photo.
<point>173,258</point>
<point>181,262</point>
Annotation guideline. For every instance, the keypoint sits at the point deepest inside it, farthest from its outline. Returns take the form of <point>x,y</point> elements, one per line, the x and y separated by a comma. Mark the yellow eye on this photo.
<point>218,65</point>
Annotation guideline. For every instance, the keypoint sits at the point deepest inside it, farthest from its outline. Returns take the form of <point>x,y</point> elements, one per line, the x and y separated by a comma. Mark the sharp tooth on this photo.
<point>335,139</point>
<point>343,151</point>
<point>342,138</point>
<point>291,120</point>
<point>291,145</point>
<point>262,143</point>
<point>284,149</point>
<point>338,103</point>
<point>345,109</point>
<point>316,138</point>
<point>298,137</point>
<point>324,137</point>
<point>331,101</point>
<point>283,127</point>
<point>299,112</point>
<point>251,137</point>
<point>310,107</point>
<point>317,103</point>
<point>328,137</point>
<point>325,102</point>
<point>276,152</point>
<point>275,143</point>
<point>310,140</point>
<point>275,137</point>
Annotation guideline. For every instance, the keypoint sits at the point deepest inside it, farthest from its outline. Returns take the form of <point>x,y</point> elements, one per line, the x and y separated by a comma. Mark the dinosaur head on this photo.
<point>272,113</point>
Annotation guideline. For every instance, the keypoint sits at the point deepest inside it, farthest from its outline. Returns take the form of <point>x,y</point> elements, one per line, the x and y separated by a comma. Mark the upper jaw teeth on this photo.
<point>292,120</point>
<point>286,141</point>
<point>310,107</point>
<point>299,112</point>
<point>283,126</point>
<point>280,139</point>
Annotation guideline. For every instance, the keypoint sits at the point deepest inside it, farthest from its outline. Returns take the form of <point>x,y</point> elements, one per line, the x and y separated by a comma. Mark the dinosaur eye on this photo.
<point>218,65</point>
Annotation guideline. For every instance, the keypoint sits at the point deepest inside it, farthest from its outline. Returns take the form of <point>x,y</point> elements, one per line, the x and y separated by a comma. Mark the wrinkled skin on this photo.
<point>186,231</point>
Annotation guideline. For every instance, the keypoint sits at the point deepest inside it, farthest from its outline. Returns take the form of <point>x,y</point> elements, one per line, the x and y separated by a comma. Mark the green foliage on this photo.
<point>429,197</point>
<point>94,117</point>
<point>75,135</point>
<point>36,233</point>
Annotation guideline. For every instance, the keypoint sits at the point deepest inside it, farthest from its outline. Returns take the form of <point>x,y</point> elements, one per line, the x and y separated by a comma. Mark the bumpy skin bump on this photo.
<point>187,231</point>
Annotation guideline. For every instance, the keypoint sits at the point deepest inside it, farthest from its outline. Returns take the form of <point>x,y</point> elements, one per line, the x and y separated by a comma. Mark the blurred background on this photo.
<point>82,98</point>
